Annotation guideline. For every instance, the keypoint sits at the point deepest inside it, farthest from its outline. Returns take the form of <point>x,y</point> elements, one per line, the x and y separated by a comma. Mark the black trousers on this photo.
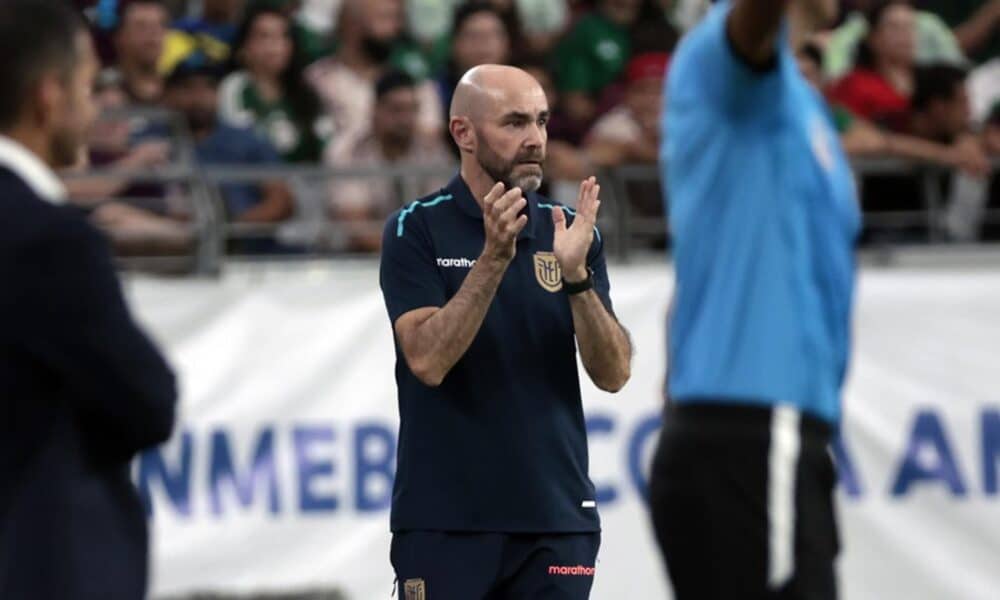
<point>742,503</point>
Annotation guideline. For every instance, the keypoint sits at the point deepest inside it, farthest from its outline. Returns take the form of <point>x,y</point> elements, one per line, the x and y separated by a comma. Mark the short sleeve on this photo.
<point>408,273</point>
<point>599,265</point>
<point>708,72</point>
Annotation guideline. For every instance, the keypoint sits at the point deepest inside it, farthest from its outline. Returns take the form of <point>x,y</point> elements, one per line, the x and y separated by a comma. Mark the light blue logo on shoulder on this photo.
<point>412,207</point>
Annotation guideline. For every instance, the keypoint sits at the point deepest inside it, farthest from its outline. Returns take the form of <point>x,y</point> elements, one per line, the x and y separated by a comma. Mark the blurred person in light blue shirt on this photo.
<point>764,215</point>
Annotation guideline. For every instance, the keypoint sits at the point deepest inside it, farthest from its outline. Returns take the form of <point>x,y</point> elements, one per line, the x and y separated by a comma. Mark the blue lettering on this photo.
<point>311,468</point>
<point>597,424</point>
<point>928,434</point>
<point>646,428</point>
<point>262,470</point>
<point>848,475</point>
<point>991,450</point>
<point>377,469</point>
<point>176,482</point>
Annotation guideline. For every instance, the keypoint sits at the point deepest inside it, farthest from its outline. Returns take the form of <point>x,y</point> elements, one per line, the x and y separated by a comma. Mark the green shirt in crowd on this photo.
<point>592,55</point>
<point>935,43</point>
<point>956,12</point>
<point>240,105</point>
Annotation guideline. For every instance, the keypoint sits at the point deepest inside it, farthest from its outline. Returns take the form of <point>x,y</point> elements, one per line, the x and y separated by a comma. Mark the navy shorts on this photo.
<point>435,565</point>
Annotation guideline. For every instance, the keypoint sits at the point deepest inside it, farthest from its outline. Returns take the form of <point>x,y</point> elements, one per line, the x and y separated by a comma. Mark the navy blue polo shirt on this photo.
<point>500,445</point>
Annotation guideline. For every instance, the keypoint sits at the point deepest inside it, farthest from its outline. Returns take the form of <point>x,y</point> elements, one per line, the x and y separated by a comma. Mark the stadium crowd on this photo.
<point>367,83</point>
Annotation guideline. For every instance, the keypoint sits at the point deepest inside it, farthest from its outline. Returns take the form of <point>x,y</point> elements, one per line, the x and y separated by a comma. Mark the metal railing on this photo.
<point>928,216</point>
<point>625,230</point>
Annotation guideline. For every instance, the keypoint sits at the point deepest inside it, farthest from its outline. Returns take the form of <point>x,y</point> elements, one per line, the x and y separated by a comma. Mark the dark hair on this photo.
<point>36,36</point>
<point>936,82</point>
<point>305,104</point>
<point>652,32</point>
<point>534,61</point>
<point>813,52</point>
<point>392,80</point>
<point>125,5</point>
<point>466,11</point>
<point>865,55</point>
<point>470,9</point>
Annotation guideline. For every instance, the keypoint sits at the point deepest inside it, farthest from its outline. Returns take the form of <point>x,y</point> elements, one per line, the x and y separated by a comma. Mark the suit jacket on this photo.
<point>82,390</point>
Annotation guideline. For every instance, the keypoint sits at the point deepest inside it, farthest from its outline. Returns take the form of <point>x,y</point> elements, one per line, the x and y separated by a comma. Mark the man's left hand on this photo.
<point>572,244</point>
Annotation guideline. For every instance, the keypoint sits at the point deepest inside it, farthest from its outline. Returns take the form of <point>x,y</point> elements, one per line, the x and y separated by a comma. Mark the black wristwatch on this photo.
<point>581,286</point>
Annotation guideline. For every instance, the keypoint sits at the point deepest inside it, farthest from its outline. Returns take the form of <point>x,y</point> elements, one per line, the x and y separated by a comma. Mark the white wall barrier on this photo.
<point>279,475</point>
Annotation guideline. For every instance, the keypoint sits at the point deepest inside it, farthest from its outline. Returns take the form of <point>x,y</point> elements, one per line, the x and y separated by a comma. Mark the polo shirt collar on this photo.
<point>470,207</point>
<point>30,169</point>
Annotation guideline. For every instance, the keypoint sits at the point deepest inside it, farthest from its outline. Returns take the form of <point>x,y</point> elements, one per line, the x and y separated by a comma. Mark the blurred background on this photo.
<point>249,152</point>
<point>295,127</point>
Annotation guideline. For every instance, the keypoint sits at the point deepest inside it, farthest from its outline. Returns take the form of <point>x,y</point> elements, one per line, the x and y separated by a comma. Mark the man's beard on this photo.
<point>503,171</point>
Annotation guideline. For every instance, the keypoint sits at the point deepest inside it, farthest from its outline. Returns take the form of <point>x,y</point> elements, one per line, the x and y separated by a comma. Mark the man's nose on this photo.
<point>536,136</point>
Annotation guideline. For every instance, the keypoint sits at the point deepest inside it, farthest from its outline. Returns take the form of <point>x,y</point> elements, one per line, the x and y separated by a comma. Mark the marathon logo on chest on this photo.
<point>456,263</point>
<point>575,570</point>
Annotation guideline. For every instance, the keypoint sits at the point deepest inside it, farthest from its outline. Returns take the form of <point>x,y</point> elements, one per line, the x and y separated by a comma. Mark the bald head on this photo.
<point>489,89</point>
<point>498,120</point>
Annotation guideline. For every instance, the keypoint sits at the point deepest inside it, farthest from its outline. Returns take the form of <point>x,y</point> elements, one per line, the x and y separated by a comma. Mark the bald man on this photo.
<point>490,289</point>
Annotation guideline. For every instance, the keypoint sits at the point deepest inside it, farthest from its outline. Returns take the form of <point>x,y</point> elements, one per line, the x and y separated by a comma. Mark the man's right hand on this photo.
<point>502,221</point>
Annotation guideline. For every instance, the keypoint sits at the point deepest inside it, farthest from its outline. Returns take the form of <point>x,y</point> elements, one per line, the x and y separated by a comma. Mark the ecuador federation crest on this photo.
<point>414,589</point>
<point>547,271</point>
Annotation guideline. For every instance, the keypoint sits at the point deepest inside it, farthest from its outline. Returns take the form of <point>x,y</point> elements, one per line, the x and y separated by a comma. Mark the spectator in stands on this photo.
<point>542,22</point>
<point>940,109</point>
<point>363,204</point>
<point>593,55</point>
<point>368,31</point>
<point>880,85</point>
<point>630,132</point>
<point>511,13</point>
<point>976,24</point>
<point>268,93</point>
<point>940,105</point>
<point>109,144</point>
<point>935,132</point>
<point>135,227</point>
<point>479,37</point>
<point>934,42</point>
<point>212,34</point>
<point>192,91</point>
<point>139,39</point>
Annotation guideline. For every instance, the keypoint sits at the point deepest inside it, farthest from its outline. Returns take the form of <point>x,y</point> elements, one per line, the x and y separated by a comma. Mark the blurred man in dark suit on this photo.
<point>81,388</point>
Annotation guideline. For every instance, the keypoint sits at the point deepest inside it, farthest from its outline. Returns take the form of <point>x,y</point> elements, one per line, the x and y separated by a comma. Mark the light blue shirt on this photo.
<point>764,215</point>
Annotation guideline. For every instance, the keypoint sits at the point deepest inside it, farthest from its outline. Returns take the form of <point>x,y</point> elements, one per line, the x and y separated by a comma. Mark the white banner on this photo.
<point>279,475</point>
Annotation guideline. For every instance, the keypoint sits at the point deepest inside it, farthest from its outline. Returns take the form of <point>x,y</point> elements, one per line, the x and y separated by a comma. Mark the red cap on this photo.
<point>649,65</point>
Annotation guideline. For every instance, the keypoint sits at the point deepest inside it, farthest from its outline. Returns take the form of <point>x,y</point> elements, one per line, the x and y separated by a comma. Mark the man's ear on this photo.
<point>463,133</point>
<point>47,100</point>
